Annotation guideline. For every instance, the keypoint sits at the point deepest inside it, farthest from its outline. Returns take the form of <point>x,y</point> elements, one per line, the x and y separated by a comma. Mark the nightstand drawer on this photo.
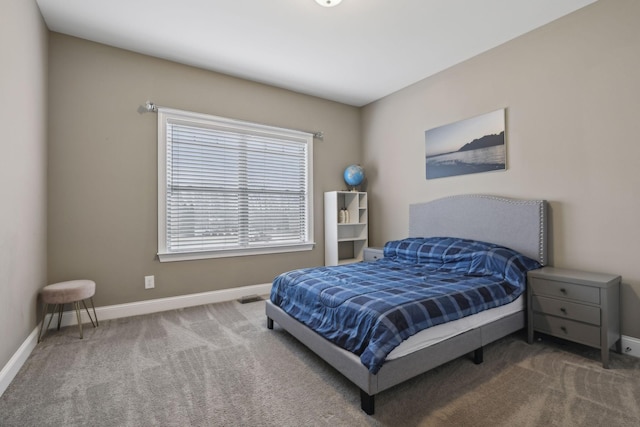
<point>567,309</point>
<point>373,254</point>
<point>568,329</point>
<point>571,291</point>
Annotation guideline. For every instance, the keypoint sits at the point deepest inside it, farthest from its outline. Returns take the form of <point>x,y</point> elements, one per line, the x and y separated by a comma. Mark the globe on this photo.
<point>353,175</point>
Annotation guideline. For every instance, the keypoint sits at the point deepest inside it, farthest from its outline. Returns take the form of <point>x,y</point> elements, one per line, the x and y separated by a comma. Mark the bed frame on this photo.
<point>518,224</point>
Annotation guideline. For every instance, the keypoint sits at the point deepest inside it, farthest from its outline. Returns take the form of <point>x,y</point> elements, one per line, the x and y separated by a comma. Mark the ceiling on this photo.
<point>353,53</point>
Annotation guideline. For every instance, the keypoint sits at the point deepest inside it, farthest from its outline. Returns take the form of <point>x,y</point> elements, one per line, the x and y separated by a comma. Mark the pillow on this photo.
<point>502,262</point>
<point>403,250</point>
<point>471,257</point>
<point>447,253</point>
<point>459,253</point>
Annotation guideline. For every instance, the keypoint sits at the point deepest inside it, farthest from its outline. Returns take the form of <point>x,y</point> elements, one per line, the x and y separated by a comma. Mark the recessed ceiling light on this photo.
<point>328,3</point>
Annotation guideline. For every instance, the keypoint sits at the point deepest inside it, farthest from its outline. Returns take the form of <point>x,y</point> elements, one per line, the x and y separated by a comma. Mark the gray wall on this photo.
<point>103,167</point>
<point>572,93</point>
<point>23,221</point>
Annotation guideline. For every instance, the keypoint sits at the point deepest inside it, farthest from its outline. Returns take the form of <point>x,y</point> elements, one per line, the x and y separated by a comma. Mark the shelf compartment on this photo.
<point>345,241</point>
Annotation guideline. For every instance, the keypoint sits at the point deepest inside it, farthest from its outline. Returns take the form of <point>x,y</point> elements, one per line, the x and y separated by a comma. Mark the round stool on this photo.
<point>71,292</point>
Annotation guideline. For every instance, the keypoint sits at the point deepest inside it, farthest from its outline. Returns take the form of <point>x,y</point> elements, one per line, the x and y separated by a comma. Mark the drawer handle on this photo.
<point>563,310</point>
<point>564,329</point>
<point>563,290</point>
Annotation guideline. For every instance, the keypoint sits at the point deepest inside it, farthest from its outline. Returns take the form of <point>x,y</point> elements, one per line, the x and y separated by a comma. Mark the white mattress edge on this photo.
<point>439,333</point>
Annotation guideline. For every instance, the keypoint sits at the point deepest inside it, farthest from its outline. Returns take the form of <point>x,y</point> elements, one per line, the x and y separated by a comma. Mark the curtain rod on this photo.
<point>153,108</point>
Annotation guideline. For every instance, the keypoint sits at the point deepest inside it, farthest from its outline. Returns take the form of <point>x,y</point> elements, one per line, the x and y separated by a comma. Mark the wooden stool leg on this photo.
<point>44,314</point>
<point>76,304</point>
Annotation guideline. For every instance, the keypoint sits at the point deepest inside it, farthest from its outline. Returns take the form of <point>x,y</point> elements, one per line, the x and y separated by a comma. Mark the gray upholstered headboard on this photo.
<point>518,224</point>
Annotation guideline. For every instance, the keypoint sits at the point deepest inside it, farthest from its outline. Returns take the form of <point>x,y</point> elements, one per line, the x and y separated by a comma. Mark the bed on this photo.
<point>520,225</point>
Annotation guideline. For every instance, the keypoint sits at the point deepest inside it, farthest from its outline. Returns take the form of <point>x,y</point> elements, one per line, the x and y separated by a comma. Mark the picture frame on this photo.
<point>468,146</point>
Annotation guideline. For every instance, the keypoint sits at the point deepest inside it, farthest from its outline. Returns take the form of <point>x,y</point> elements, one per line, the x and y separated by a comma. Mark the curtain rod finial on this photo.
<point>151,106</point>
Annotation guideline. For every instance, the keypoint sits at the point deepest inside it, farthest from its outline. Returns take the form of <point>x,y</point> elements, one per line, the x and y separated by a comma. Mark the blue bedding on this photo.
<point>369,308</point>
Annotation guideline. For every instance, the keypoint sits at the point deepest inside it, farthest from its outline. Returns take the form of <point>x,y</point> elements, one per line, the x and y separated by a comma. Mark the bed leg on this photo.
<point>478,355</point>
<point>367,402</point>
<point>269,323</point>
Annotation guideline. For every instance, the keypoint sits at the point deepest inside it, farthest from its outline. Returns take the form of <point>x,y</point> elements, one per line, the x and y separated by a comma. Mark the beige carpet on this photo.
<point>218,365</point>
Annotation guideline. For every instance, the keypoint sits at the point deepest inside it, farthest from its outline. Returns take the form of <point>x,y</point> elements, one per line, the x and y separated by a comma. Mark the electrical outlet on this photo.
<point>630,346</point>
<point>149,282</point>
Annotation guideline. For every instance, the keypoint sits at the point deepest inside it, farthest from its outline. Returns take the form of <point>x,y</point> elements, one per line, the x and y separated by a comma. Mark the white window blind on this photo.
<point>231,188</point>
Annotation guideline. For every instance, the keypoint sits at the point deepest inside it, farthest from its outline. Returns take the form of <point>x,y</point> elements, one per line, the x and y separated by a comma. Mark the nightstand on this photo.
<point>575,305</point>
<point>373,254</point>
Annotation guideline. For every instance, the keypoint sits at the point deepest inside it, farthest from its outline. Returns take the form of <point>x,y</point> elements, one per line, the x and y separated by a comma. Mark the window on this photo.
<point>229,188</point>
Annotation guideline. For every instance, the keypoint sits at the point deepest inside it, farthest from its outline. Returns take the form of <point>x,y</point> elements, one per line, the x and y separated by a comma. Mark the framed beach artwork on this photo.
<point>468,146</point>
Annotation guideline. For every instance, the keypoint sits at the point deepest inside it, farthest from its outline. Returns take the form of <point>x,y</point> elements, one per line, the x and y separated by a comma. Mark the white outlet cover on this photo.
<point>149,282</point>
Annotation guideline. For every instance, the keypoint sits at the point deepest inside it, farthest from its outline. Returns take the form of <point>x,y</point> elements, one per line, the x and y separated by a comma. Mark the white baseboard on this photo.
<point>161,304</point>
<point>10,370</point>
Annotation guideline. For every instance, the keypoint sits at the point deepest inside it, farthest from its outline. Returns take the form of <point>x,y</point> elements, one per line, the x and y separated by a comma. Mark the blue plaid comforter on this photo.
<point>369,308</point>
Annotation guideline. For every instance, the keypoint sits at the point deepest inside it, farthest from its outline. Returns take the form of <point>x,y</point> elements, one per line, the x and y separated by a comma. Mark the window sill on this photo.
<point>191,256</point>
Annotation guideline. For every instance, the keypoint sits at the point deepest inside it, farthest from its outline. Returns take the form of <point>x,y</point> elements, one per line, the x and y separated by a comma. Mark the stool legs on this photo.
<point>56,307</point>
<point>60,315</point>
<point>44,315</point>
<point>93,307</point>
<point>53,313</point>
<point>76,305</point>
<point>59,308</point>
<point>89,314</point>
